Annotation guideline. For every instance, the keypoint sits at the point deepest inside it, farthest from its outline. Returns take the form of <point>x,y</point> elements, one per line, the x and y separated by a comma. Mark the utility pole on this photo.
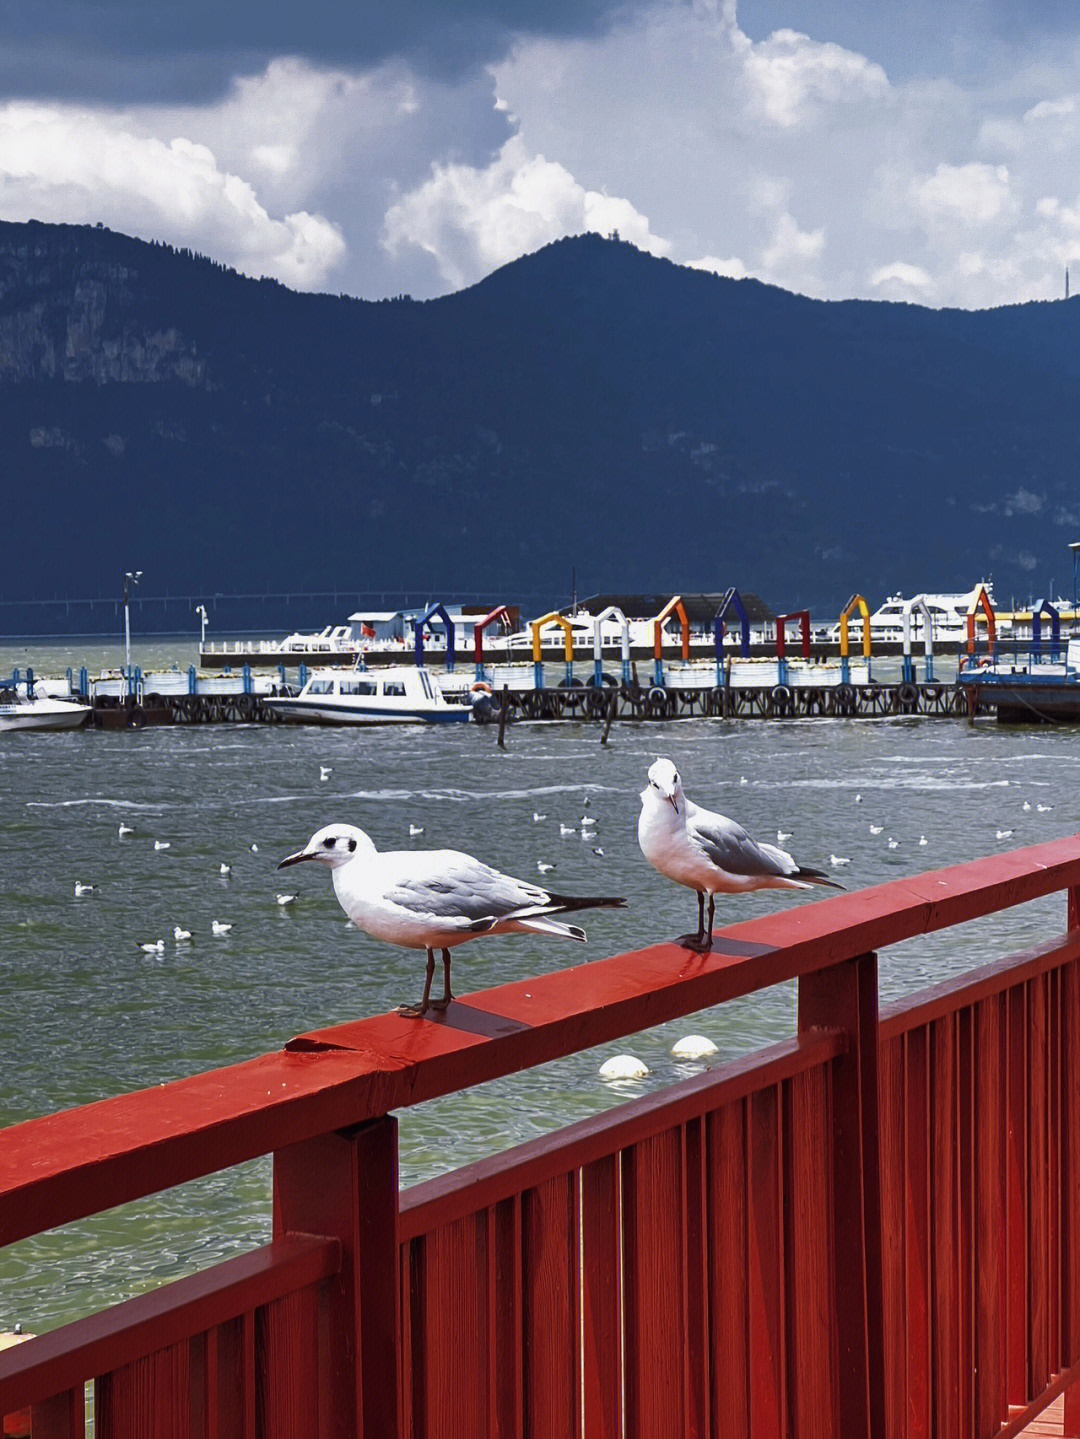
<point>130,581</point>
<point>200,610</point>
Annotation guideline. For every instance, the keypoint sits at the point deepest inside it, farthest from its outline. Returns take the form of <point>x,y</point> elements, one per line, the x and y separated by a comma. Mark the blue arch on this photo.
<point>1044,607</point>
<point>732,600</point>
<point>439,610</point>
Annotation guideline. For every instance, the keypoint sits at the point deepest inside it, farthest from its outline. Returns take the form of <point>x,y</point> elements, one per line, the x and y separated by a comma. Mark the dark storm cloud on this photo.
<point>138,50</point>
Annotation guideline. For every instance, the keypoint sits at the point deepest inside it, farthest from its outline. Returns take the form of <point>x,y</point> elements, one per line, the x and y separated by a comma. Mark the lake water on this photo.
<point>86,1013</point>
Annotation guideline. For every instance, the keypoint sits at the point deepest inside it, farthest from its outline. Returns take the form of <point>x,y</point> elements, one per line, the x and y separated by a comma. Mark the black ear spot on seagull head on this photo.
<point>352,846</point>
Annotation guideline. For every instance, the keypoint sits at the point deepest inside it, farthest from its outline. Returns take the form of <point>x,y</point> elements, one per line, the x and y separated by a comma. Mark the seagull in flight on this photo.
<point>435,899</point>
<point>708,852</point>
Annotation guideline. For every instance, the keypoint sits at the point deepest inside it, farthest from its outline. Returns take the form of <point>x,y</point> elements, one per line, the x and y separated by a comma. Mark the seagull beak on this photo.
<point>296,858</point>
<point>673,802</point>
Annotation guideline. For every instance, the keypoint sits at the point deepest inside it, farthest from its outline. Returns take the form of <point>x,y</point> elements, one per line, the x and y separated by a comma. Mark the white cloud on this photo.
<point>472,219</point>
<point>900,280</point>
<point>1051,109</point>
<point>733,268</point>
<point>971,194</point>
<point>69,163</point>
<point>792,74</point>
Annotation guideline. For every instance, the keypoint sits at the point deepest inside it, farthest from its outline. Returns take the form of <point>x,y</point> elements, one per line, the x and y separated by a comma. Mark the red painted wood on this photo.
<point>346,1184</point>
<point>1070,1165</point>
<point>989,1109</point>
<point>893,1130</point>
<point>287,1366</point>
<point>695,1282</point>
<point>1053,1157</point>
<point>765,1266</point>
<point>809,1296</point>
<point>1016,1200</point>
<point>61,1417</point>
<point>507,1351</point>
<point>964,1226</point>
<point>654,1202</point>
<point>726,1181</point>
<point>916,1097</point>
<point>945,1319</point>
<point>551,1338</point>
<point>119,1336</point>
<point>150,1396</point>
<point>601,1228</point>
<point>1039,1364</point>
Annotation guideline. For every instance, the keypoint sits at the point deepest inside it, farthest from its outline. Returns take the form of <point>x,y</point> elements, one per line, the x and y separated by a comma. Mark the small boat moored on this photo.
<point>399,694</point>
<point>22,706</point>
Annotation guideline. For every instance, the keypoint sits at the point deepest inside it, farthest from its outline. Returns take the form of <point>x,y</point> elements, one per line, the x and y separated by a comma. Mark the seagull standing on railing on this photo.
<point>708,852</point>
<point>435,898</point>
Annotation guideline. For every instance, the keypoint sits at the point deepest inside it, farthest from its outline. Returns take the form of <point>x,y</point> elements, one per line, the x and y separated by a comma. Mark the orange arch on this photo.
<point>856,602</point>
<point>673,606</point>
<point>554,618</point>
<point>981,602</point>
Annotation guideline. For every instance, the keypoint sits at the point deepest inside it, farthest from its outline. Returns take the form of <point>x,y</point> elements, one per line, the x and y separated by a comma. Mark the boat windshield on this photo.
<point>320,687</point>
<point>357,687</point>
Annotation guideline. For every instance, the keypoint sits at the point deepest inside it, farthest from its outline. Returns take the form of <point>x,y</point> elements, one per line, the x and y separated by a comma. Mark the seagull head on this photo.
<point>334,844</point>
<point>665,784</point>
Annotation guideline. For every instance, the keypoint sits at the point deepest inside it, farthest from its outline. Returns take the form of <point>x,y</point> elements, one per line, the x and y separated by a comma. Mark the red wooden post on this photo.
<point>845,996</point>
<point>346,1185</point>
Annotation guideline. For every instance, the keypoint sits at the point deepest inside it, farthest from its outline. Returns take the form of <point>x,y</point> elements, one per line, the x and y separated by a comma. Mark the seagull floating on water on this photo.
<point>858,799</point>
<point>1042,808</point>
<point>708,852</point>
<point>435,899</point>
<point>876,828</point>
<point>598,850</point>
<point>922,839</point>
<point>180,934</point>
<point>163,844</point>
<point>1004,833</point>
<point>225,869</point>
<point>893,843</point>
<point>85,888</point>
<point>325,771</point>
<point>219,926</point>
<point>416,829</point>
<point>838,861</point>
<point>1027,805</point>
<point>284,900</point>
<point>538,817</point>
<point>567,829</point>
<point>254,848</point>
<point>782,837</point>
<point>157,947</point>
<point>586,820</point>
<point>125,829</point>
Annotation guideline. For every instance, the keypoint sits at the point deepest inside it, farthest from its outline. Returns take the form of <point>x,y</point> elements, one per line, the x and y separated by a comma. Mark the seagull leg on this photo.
<point>415,1011</point>
<point>698,941</point>
<point>712,912</point>
<point>444,1003</point>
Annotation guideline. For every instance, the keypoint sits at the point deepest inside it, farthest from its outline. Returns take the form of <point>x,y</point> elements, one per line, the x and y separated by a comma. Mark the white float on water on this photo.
<point>623,1066</point>
<point>693,1046</point>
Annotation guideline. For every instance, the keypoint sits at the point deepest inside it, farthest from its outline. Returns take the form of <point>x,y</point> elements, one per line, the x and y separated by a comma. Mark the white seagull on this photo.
<point>180,934</point>
<point>163,844</point>
<point>284,900</point>
<point>325,771</point>
<point>434,899</point>
<point>219,926</point>
<point>538,817</point>
<point>85,888</point>
<point>158,947</point>
<point>225,869</point>
<point>415,829</point>
<point>125,829</point>
<point>708,852</point>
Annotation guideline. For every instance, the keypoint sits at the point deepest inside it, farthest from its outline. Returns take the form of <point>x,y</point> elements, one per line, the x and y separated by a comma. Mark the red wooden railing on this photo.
<point>872,1228</point>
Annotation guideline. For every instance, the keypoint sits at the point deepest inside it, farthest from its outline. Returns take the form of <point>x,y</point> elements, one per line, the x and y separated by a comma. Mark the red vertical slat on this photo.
<point>989,1111</point>
<point>653,1218</point>
<point>1053,1177</point>
<point>695,1283</point>
<point>726,1180</point>
<point>602,1299</point>
<point>964,1257</point>
<point>1038,1196</point>
<point>1017,1297</point>
<point>286,1365</point>
<point>551,1339</point>
<point>892,1102</point>
<point>406,1368</point>
<point>1070,1183</point>
<point>765,1266</point>
<point>507,1340</point>
<point>450,1330</point>
<point>808,1287</point>
<point>917,1232</point>
<point>61,1417</point>
<point>198,1386</point>
<point>943,1185</point>
<point>148,1397</point>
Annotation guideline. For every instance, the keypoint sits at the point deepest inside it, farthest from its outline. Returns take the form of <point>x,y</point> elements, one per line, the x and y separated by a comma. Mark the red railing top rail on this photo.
<point>65,1166</point>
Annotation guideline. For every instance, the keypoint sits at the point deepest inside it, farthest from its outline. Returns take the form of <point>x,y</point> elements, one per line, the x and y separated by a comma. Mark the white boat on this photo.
<point>33,711</point>
<point>948,617</point>
<point>398,694</point>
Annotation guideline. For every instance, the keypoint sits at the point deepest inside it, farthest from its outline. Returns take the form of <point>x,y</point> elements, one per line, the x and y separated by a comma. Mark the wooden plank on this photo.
<point>64,1166</point>
<point>551,1346</point>
<point>654,1203</point>
<point>450,1332</point>
<point>945,1319</point>
<point>964,1258</point>
<point>507,1349</point>
<point>891,1089</point>
<point>601,1227</point>
<point>148,1396</point>
<point>63,1358</point>
<point>61,1417</point>
<point>809,1296</point>
<point>917,1233</point>
<point>287,1366</point>
<point>989,1121</point>
<point>695,1282</point>
<point>728,1221</point>
<point>765,1267</point>
<point>1039,1266</point>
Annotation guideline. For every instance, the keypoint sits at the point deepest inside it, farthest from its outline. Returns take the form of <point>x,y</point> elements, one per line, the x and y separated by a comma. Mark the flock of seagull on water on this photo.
<point>434,900</point>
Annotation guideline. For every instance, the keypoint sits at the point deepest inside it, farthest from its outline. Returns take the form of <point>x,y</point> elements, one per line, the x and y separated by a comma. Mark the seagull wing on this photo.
<point>728,846</point>
<point>457,889</point>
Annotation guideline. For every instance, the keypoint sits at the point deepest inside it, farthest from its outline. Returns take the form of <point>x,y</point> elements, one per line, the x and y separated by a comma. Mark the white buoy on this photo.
<point>623,1066</point>
<point>693,1046</point>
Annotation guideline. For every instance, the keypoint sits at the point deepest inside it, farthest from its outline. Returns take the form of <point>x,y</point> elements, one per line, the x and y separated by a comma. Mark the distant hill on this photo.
<point>657,428</point>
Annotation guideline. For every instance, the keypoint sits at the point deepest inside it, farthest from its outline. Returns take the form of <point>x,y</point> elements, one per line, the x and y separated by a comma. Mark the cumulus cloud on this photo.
<point>971,194</point>
<point>791,73</point>
<point>471,219</point>
<point>68,163</point>
<point>902,281</point>
<point>733,267</point>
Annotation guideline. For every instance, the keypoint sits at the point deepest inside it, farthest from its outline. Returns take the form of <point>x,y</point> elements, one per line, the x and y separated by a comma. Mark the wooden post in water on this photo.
<point>610,716</point>
<point>502,716</point>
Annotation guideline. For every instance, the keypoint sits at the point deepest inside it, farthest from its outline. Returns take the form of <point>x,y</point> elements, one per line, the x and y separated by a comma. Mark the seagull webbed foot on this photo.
<point>442,1004</point>
<point>414,1011</point>
<point>697,942</point>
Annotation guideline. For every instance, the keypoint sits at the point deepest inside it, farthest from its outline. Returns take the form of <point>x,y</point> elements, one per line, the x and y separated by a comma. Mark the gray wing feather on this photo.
<point>729,847</point>
<point>463,888</point>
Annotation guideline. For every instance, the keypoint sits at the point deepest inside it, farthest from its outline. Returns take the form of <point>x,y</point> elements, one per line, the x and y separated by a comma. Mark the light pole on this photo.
<point>200,610</point>
<point>130,581</point>
<point>1075,547</point>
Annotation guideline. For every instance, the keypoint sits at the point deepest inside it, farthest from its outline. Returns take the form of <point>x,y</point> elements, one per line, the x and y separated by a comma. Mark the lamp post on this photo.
<point>130,581</point>
<point>1075,547</point>
<point>200,610</point>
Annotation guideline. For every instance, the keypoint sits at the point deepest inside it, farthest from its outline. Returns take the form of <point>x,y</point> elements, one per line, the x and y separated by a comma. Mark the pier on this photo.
<point>869,1228</point>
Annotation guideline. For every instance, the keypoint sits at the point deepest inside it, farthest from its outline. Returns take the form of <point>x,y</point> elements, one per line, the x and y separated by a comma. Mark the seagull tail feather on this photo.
<point>817,876</point>
<point>567,903</point>
<point>542,925</point>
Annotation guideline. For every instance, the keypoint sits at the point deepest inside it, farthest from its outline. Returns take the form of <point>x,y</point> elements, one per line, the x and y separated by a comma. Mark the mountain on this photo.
<point>587,406</point>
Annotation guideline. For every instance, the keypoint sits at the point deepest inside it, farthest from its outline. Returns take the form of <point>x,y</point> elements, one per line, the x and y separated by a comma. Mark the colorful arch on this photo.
<point>554,618</point>
<point>673,606</point>
<point>918,602</point>
<point>499,613</point>
<point>439,610</point>
<point>782,622</point>
<point>732,600</point>
<point>1044,607</point>
<point>856,602</point>
<point>981,601</point>
<point>611,613</point>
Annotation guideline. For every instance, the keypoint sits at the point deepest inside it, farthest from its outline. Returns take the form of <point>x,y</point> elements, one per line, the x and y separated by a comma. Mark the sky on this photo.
<point>927,152</point>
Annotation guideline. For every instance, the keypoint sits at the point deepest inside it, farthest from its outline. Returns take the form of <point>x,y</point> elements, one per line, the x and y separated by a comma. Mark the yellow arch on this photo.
<point>554,618</point>
<point>856,602</point>
<point>676,606</point>
<point>981,602</point>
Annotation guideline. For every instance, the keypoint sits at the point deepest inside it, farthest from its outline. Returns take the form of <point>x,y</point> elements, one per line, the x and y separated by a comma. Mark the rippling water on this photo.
<point>86,1013</point>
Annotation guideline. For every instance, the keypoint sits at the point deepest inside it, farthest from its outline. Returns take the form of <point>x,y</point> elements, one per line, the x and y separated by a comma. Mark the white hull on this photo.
<point>405,695</point>
<point>42,714</point>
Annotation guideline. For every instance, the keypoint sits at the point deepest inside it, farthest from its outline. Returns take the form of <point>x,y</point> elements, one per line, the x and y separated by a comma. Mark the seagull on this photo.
<point>284,900</point>
<point>538,817</point>
<point>1004,833</point>
<point>163,844</point>
<point>434,899</point>
<point>708,852</point>
<point>225,869</point>
<point>85,888</point>
<point>586,820</point>
<point>567,829</point>
<point>837,861</point>
<point>922,839</point>
<point>180,934</point>
<point>598,850</point>
<point>415,829</point>
<point>543,866</point>
<point>220,927</point>
<point>254,848</point>
<point>781,837</point>
<point>325,771</point>
<point>158,947</point>
<point>1042,808</point>
<point>586,801</point>
<point>893,843</point>
<point>125,829</point>
<point>858,799</point>
<point>876,828</point>
<point>1027,806</point>
<point>743,779</point>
